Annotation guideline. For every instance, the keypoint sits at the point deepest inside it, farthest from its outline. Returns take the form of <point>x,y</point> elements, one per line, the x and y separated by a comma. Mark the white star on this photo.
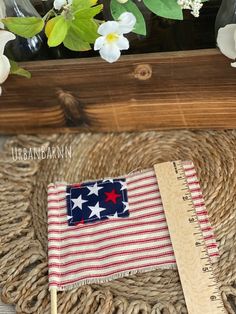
<point>69,217</point>
<point>126,205</point>
<point>94,189</point>
<point>115,215</point>
<point>78,202</point>
<point>108,180</point>
<point>123,184</point>
<point>96,210</point>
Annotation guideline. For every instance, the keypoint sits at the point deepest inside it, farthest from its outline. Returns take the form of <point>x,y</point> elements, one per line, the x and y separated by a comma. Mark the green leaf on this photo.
<point>50,25</point>
<point>74,42</point>
<point>26,27</point>
<point>86,29</point>
<point>17,70</point>
<point>89,13</point>
<point>169,9</point>
<point>58,31</point>
<point>82,4</point>
<point>118,8</point>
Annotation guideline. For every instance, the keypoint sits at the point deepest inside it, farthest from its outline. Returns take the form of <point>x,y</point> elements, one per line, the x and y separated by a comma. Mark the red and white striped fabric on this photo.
<point>117,247</point>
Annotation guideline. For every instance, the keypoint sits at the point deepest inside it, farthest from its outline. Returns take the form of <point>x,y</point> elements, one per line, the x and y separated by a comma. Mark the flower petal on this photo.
<point>122,43</point>
<point>226,40</point>
<point>58,4</point>
<point>4,68</point>
<point>99,43</point>
<point>233,64</point>
<point>109,27</point>
<point>5,37</point>
<point>127,22</point>
<point>110,53</point>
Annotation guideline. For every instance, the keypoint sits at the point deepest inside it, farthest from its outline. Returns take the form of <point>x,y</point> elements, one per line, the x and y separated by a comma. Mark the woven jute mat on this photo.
<point>23,217</point>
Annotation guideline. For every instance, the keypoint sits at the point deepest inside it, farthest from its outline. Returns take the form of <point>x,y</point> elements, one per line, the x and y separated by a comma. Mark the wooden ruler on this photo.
<point>195,269</point>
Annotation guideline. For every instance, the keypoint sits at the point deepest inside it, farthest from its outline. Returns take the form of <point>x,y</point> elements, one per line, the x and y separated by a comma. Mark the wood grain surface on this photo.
<point>199,284</point>
<point>191,89</point>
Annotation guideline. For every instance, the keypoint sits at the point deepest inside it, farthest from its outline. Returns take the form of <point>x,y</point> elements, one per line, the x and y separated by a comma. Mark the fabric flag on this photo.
<point>105,229</point>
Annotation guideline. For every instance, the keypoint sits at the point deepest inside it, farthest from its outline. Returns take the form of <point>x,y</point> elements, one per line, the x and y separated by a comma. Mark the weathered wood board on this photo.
<point>191,89</point>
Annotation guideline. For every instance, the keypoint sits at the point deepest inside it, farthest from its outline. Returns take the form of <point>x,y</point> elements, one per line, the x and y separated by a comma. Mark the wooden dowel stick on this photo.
<point>53,300</point>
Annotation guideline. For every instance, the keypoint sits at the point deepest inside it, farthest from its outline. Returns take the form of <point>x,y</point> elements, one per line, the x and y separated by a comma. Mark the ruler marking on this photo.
<point>196,272</point>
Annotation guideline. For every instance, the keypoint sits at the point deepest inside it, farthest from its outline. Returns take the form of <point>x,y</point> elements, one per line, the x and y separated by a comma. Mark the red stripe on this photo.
<point>57,216</point>
<point>57,200</point>
<point>111,265</point>
<point>188,169</point>
<point>57,207</point>
<point>188,176</point>
<point>53,187</point>
<point>145,200</point>
<point>202,213</point>
<point>57,193</point>
<point>91,234</point>
<point>143,194</point>
<point>212,246</point>
<point>199,204</point>
<point>194,182</point>
<point>198,197</point>
<point>204,221</point>
<point>103,222</point>
<point>97,250</point>
<point>61,247</point>
<point>121,253</point>
<point>209,237</point>
<point>214,254</point>
<point>105,247</point>
<point>196,190</point>
<point>107,221</point>
<point>148,177</point>
<point>142,187</point>
<point>67,282</point>
<point>206,229</point>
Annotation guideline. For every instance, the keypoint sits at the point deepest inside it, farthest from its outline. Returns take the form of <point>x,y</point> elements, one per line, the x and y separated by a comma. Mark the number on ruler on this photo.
<point>192,220</point>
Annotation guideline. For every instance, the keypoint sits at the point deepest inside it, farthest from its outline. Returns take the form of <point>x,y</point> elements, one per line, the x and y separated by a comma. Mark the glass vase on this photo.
<point>226,14</point>
<point>23,49</point>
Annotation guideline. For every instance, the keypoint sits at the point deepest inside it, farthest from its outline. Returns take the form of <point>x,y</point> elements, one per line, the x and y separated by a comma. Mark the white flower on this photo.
<point>226,41</point>
<point>59,4</point>
<point>112,42</point>
<point>193,5</point>
<point>5,66</point>
<point>127,22</point>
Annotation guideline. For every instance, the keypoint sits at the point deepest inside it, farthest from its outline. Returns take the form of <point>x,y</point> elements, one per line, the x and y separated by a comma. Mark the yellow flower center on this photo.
<point>112,37</point>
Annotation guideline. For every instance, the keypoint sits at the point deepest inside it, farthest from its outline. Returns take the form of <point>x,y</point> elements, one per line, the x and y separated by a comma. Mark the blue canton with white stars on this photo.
<point>99,200</point>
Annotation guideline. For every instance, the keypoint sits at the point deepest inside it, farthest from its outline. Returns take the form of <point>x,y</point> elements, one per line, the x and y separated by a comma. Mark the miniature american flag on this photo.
<point>105,229</point>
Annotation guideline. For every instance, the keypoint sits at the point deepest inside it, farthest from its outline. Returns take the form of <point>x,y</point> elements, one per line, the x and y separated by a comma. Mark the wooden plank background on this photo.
<point>191,89</point>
